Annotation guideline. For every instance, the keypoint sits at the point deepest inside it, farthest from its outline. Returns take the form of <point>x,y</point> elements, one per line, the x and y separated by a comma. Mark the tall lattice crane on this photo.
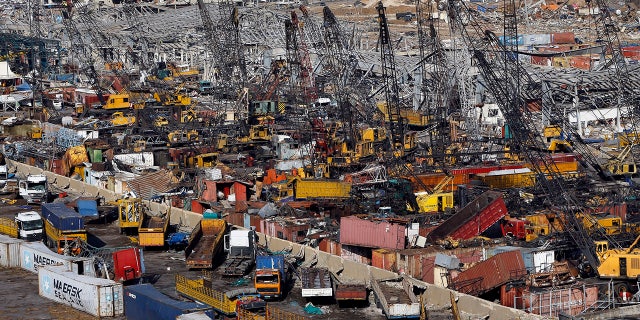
<point>307,82</point>
<point>511,86</point>
<point>391,88</point>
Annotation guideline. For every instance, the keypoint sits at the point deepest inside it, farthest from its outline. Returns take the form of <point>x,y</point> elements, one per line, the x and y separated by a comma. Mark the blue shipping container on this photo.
<point>275,261</point>
<point>87,208</point>
<point>144,301</point>
<point>62,217</point>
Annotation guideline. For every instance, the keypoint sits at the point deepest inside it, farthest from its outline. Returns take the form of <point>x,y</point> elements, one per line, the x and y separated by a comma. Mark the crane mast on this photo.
<point>391,89</point>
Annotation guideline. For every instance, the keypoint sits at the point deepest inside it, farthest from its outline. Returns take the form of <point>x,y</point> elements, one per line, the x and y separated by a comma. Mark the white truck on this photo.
<point>240,246</point>
<point>34,188</point>
<point>25,225</point>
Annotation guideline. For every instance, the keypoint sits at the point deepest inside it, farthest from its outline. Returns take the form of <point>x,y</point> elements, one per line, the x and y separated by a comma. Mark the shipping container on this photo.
<point>356,254</point>
<point>384,259</point>
<point>510,178</point>
<point>96,296</point>
<point>541,60</point>
<point>536,39</point>
<point>473,219</point>
<point>571,300</point>
<point>371,233</point>
<point>9,252</point>
<point>491,273</point>
<point>87,207</point>
<point>34,255</point>
<point>562,38</point>
<point>144,301</point>
<point>535,260</point>
<point>62,217</point>
<point>310,189</point>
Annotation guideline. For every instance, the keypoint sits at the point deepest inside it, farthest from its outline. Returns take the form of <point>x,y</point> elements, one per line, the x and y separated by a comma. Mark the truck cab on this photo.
<point>30,226</point>
<point>268,283</point>
<point>34,188</point>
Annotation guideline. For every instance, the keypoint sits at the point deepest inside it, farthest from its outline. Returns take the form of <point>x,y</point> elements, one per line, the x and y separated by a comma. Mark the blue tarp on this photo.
<point>23,87</point>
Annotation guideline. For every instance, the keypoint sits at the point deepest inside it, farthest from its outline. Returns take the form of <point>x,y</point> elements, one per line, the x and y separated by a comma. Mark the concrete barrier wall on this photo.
<point>435,297</point>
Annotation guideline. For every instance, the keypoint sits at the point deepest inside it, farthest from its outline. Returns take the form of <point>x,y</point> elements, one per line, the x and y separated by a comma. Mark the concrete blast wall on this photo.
<point>435,297</point>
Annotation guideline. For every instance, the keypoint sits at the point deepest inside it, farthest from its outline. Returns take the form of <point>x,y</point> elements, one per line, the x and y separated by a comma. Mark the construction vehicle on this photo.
<point>119,119</point>
<point>271,276</point>
<point>64,228</point>
<point>436,200</point>
<point>621,264</point>
<point>259,135</point>
<point>178,137</point>
<point>205,243</point>
<point>240,246</point>
<point>618,166</point>
<point>205,160</point>
<point>26,225</point>
<point>129,212</point>
<point>224,302</point>
<point>152,230</point>
<point>34,189</point>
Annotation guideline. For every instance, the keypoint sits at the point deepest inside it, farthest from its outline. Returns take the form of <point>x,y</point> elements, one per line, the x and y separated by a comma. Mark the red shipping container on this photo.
<point>372,234</point>
<point>550,301</point>
<point>631,52</point>
<point>384,259</point>
<point>428,269</point>
<point>127,264</point>
<point>541,61</point>
<point>563,38</point>
<point>491,273</point>
<point>329,246</point>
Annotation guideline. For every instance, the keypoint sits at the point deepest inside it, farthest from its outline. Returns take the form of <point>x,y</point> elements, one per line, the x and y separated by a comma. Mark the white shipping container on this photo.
<point>34,255</point>
<point>536,39</point>
<point>96,296</point>
<point>9,252</point>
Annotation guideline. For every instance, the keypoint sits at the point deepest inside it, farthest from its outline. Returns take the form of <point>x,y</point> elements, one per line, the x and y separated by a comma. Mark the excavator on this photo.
<point>619,166</point>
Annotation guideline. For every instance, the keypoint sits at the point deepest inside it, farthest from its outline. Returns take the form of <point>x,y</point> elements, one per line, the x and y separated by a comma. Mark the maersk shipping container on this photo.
<point>9,252</point>
<point>34,255</point>
<point>144,301</point>
<point>95,296</point>
<point>62,217</point>
<point>371,233</point>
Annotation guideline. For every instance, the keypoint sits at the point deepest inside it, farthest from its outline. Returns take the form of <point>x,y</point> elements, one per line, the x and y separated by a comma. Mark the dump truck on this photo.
<point>129,212</point>
<point>152,230</point>
<point>34,188</point>
<point>224,302</point>
<point>205,243</point>
<point>271,276</point>
<point>63,228</point>
<point>241,252</point>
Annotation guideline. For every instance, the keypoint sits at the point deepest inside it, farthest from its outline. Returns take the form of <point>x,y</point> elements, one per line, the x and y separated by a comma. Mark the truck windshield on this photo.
<point>37,186</point>
<point>267,278</point>
<point>32,225</point>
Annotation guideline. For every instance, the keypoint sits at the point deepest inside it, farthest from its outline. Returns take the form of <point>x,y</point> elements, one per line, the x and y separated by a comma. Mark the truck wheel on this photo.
<point>620,288</point>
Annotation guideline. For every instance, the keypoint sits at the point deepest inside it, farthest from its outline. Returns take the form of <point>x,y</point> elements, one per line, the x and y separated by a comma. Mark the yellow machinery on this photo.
<point>35,133</point>
<point>436,201</point>
<point>119,119</point>
<point>205,160</point>
<point>618,166</point>
<point>182,136</point>
<point>618,263</point>
<point>129,212</point>
<point>160,122</point>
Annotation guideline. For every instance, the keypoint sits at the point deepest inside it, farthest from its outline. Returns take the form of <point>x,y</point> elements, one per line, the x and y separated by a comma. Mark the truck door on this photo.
<point>623,266</point>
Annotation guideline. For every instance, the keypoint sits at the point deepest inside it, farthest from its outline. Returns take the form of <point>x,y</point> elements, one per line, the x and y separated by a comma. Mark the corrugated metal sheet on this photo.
<point>571,300</point>
<point>563,38</point>
<point>9,252</point>
<point>373,234</point>
<point>491,273</point>
<point>149,185</point>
